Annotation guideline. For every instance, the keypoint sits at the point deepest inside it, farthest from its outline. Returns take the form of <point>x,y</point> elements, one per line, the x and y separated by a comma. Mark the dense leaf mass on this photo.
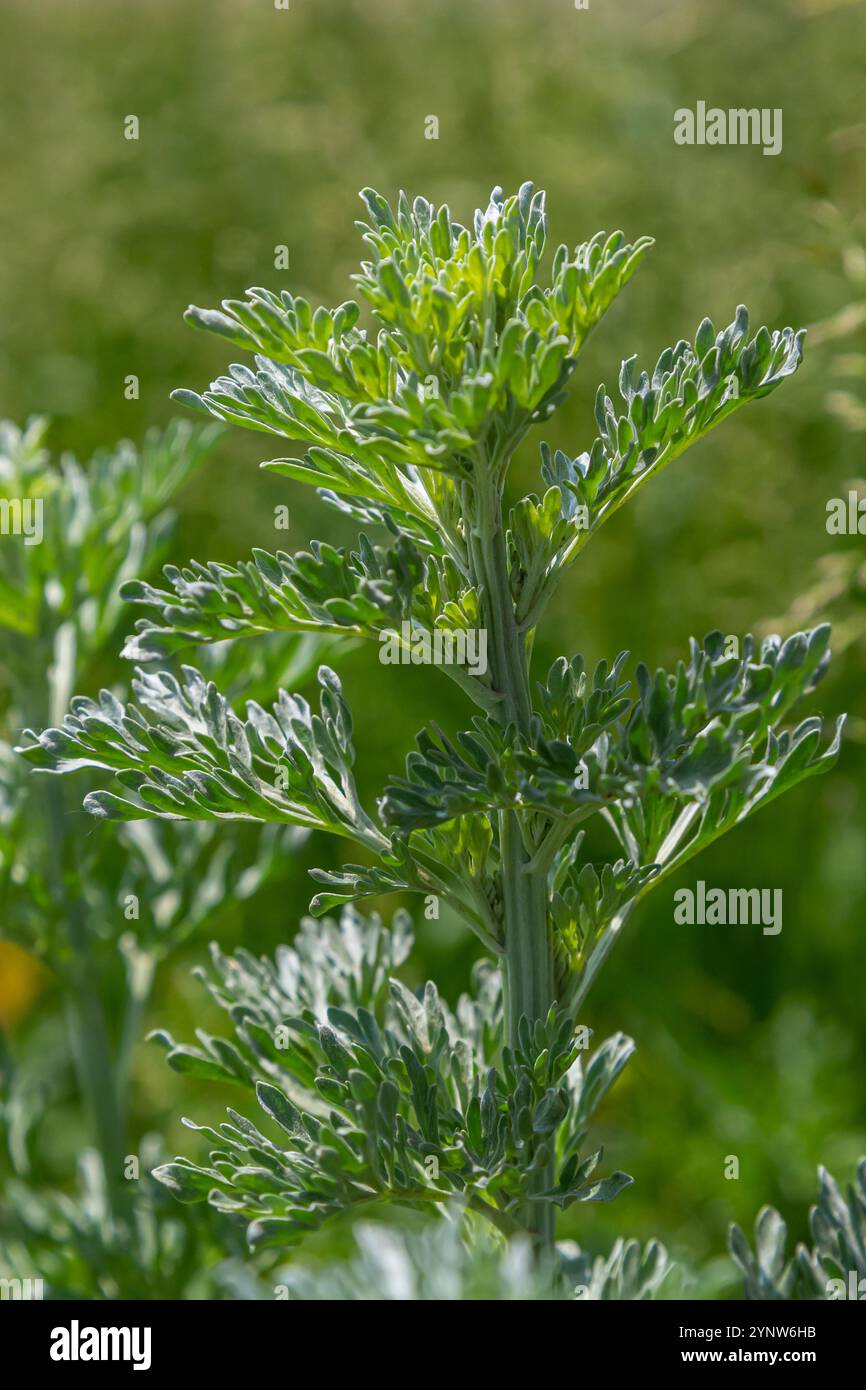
<point>395,1098</point>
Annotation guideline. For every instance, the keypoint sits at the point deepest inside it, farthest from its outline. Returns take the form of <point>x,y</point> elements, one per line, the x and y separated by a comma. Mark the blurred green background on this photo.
<point>257,127</point>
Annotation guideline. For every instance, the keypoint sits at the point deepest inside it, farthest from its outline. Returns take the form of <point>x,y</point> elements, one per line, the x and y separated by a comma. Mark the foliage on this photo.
<point>453,1259</point>
<point>629,1272</point>
<point>100,913</point>
<point>692,755</point>
<point>80,1246</point>
<point>381,1095</point>
<point>102,246</point>
<point>434,1263</point>
<point>410,428</point>
<point>827,1270</point>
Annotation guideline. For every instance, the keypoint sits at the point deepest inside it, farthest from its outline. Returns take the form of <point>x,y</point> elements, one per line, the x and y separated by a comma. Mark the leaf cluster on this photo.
<point>396,1099</point>
<point>838,1227</point>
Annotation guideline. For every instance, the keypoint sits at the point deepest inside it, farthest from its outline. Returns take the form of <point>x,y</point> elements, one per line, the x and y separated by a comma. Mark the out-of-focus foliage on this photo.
<point>95,916</point>
<point>432,1264</point>
<point>834,1268</point>
<point>80,1247</point>
<point>452,1260</point>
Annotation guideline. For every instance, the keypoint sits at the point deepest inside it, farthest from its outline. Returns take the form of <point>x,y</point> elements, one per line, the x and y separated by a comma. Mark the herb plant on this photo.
<point>410,424</point>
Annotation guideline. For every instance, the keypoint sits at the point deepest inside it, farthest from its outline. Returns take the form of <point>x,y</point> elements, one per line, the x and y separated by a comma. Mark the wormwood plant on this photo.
<point>410,424</point>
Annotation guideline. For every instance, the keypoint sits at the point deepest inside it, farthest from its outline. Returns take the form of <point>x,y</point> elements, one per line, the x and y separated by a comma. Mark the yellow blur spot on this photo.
<point>21,980</point>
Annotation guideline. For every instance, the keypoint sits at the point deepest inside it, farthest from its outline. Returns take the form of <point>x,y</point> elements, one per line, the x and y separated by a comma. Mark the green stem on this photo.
<point>140,971</point>
<point>529,975</point>
<point>89,1038</point>
<point>528,960</point>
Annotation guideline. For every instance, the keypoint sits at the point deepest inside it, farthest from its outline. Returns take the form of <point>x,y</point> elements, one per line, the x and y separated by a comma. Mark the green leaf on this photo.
<point>691,390</point>
<point>325,590</point>
<point>183,754</point>
<point>279,1108</point>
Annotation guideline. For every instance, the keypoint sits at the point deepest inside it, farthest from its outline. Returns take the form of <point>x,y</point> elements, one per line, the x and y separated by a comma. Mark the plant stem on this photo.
<point>88,1029</point>
<point>529,976</point>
